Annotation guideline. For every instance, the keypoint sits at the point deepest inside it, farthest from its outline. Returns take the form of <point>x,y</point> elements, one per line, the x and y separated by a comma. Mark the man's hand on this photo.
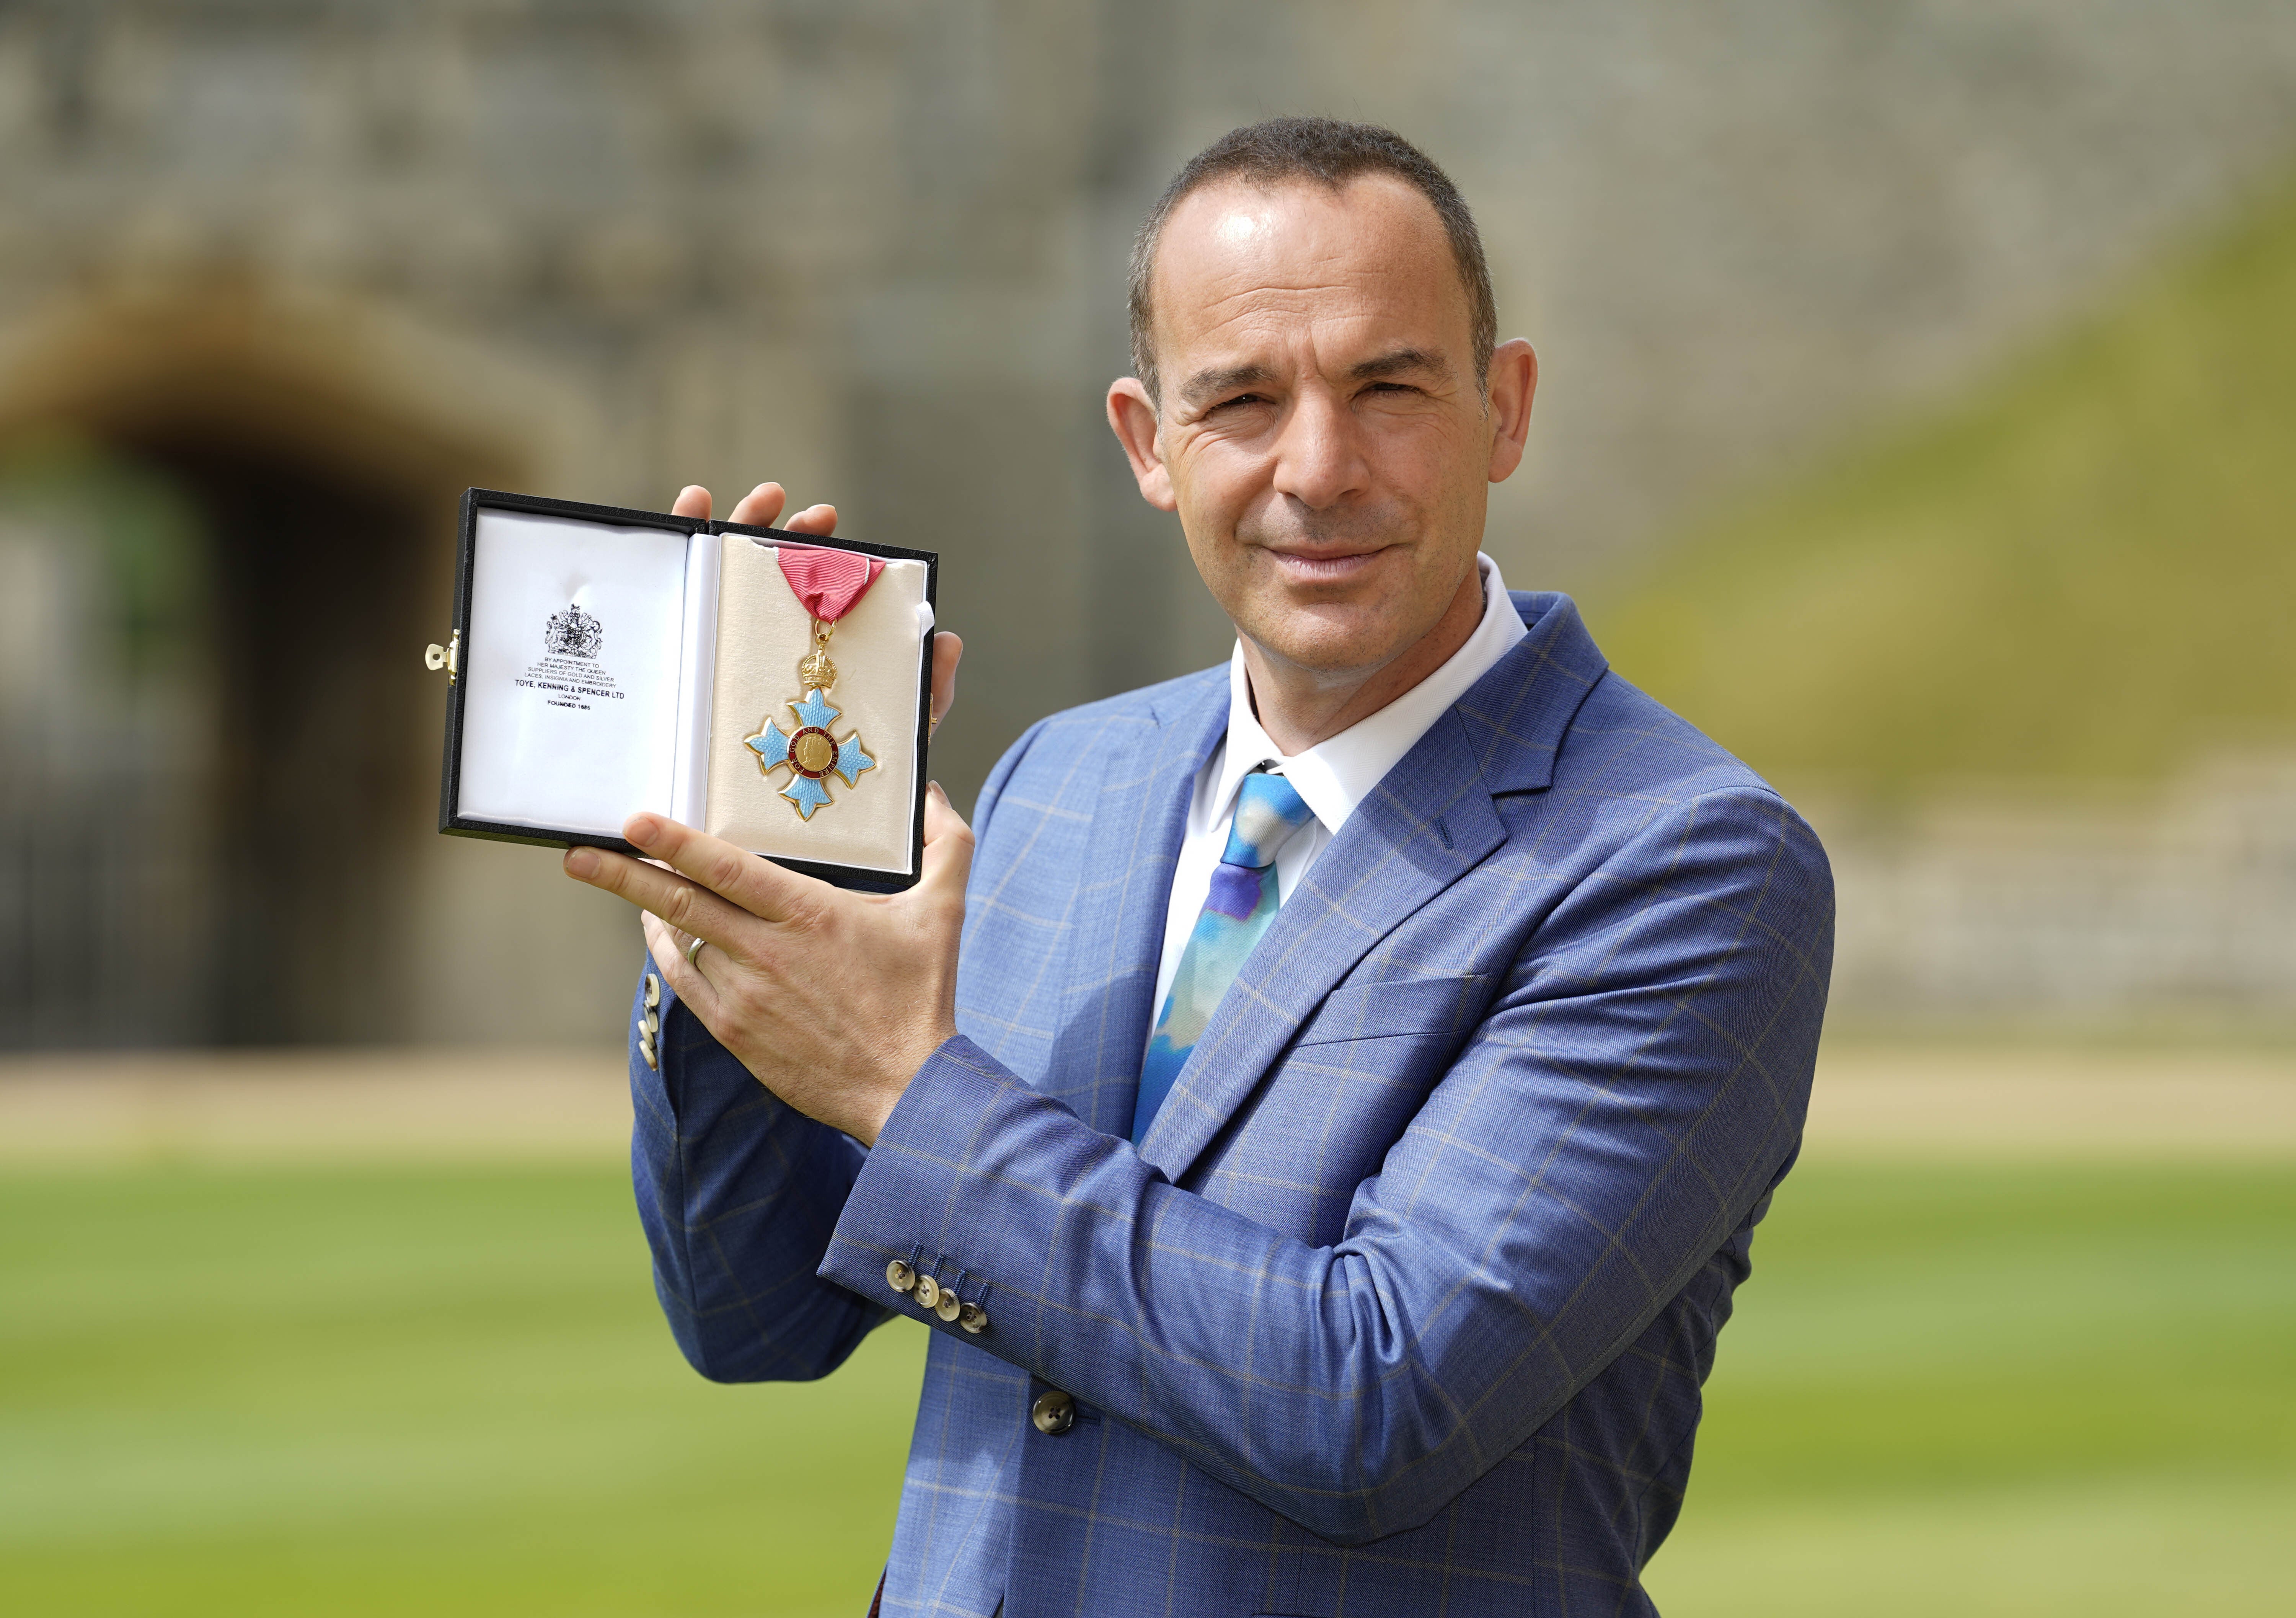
<point>762,505</point>
<point>834,999</point>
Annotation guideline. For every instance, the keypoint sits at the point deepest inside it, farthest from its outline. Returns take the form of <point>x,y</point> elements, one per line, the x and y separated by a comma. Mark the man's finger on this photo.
<point>761,505</point>
<point>948,651</point>
<point>690,983</point>
<point>819,521</point>
<point>693,501</point>
<point>949,847</point>
<point>687,906</point>
<point>756,885</point>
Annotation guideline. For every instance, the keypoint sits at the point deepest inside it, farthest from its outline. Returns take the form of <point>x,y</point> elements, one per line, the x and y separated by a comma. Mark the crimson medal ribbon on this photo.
<point>830,583</point>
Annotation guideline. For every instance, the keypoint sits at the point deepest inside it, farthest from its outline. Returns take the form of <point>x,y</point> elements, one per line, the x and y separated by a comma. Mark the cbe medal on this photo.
<point>828,583</point>
<point>811,751</point>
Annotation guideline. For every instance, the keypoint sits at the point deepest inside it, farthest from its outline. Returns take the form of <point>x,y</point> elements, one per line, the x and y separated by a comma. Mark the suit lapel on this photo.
<point>1427,824</point>
<point>1118,942</point>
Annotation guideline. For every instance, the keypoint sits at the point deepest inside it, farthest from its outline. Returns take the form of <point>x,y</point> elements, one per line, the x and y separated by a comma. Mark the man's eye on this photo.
<point>1241,399</point>
<point>1390,388</point>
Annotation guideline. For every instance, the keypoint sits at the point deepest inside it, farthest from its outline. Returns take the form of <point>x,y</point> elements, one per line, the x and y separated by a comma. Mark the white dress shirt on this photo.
<point>1331,777</point>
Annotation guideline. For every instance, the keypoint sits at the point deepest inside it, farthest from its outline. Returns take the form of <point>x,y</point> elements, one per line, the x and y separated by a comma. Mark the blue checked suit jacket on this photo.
<point>1405,1305</point>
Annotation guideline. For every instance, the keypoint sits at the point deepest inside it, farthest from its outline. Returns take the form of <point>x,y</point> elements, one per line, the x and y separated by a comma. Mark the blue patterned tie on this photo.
<point>1242,903</point>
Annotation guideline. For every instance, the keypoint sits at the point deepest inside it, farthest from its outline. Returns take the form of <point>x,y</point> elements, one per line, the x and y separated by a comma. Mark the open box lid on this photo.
<point>596,670</point>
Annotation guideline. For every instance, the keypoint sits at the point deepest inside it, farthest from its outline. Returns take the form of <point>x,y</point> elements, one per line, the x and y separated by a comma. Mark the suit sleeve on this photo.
<point>1637,1085</point>
<point>738,1194</point>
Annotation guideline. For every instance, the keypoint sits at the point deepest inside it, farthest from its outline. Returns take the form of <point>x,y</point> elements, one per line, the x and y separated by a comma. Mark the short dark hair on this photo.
<point>1334,153</point>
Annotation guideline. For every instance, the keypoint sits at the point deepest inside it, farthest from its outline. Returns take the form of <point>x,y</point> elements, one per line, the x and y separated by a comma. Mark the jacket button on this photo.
<point>900,1277</point>
<point>948,1308</point>
<point>1055,1412</point>
<point>973,1318</point>
<point>928,1292</point>
<point>647,1049</point>
<point>652,991</point>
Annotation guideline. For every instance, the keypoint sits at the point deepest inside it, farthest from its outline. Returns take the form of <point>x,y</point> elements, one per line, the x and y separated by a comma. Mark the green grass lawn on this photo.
<point>415,1392</point>
<point>2004,1391</point>
<point>256,1392</point>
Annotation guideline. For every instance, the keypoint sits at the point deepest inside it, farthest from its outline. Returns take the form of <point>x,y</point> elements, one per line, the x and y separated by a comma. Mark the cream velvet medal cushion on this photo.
<point>763,632</point>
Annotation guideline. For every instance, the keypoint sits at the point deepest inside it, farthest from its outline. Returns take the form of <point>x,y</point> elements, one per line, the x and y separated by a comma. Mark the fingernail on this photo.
<point>581,862</point>
<point>642,831</point>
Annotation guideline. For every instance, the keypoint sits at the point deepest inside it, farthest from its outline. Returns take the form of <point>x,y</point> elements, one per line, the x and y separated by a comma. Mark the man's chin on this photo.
<point>1334,640</point>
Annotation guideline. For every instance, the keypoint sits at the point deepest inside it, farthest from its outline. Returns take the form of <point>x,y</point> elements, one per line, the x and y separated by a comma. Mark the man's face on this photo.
<point>1322,433</point>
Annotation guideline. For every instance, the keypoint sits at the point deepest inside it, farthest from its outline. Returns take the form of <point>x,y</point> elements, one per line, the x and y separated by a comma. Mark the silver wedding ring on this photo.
<point>693,950</point>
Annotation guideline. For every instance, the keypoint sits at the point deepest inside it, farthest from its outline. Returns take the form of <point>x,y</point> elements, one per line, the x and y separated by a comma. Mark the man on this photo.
<point>1326,1162</point>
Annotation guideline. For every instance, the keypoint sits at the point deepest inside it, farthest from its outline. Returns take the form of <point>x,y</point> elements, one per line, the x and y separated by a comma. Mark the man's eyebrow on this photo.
<point>1205,384</point>
<point>1399,361</point>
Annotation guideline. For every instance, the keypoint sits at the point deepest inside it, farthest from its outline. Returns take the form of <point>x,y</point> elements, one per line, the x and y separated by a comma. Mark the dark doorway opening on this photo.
<point>316,590</point>
<point>226,847</point>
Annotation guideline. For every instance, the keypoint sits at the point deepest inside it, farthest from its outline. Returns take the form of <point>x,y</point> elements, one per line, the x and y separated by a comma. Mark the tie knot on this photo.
<point>1268,810</point>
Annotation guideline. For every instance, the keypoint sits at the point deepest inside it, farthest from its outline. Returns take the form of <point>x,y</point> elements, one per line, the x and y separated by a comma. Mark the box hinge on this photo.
<point>449,657</point>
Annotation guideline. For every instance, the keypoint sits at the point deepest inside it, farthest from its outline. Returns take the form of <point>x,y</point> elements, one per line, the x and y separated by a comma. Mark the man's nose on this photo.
<point>1319,459</point>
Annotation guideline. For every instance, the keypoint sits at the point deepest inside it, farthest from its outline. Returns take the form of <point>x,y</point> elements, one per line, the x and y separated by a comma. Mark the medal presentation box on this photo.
<point>770,688</point>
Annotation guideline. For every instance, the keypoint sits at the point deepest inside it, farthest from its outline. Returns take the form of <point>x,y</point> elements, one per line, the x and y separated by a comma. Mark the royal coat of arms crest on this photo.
<point>573,633</point>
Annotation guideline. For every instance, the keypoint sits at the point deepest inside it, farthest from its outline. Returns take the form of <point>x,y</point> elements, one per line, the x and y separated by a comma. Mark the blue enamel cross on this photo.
<point>810,752</point>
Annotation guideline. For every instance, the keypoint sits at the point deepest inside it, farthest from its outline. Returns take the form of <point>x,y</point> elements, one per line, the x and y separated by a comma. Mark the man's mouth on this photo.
<point>1325,564</point>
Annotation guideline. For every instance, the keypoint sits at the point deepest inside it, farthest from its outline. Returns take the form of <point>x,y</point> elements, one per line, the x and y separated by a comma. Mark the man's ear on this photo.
<point>1132,417</point>
<point>1515,378</point>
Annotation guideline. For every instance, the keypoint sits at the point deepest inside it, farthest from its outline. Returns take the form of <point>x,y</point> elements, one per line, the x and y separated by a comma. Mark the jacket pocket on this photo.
<point>1396,1008</point>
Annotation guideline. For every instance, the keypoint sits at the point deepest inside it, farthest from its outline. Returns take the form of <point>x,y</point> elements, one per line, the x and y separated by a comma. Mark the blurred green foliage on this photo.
<point>2086,567</point>
<point>144,536</point>
<point>2005,1390</point>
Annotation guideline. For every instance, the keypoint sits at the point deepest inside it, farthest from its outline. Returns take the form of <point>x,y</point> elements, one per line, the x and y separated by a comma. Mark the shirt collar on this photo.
<point>1339,772</point>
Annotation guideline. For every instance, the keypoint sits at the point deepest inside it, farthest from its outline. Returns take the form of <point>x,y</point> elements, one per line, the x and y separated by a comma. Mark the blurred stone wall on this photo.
<point>2170,909</point>
<point>365,251</point>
